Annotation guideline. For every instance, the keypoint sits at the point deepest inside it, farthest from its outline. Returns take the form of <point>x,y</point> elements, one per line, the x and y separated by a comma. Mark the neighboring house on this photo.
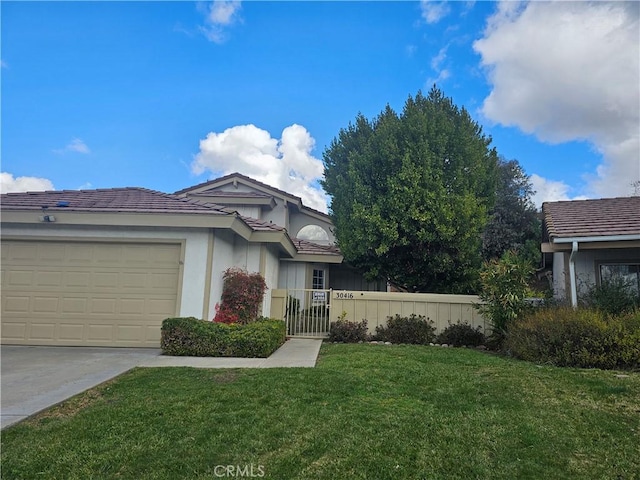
<point>104,267</point>
<point>591,241</point>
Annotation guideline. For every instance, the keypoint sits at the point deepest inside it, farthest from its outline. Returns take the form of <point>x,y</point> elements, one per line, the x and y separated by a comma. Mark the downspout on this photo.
<point>572,275</point>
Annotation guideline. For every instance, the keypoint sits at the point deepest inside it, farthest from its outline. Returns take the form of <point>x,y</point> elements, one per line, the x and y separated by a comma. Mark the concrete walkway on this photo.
<point>296,352</point>
<point>36,378</point>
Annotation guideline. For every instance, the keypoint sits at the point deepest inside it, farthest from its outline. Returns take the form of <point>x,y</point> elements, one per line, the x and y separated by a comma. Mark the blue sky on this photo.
<point>165,95</point>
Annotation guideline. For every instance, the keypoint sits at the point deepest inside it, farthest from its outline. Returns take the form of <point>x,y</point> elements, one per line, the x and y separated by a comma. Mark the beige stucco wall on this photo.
<point>222,259</point>
<point>270,270</point>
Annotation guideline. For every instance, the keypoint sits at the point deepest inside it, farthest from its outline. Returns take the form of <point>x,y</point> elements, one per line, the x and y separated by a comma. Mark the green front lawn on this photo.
<point>366,411</point>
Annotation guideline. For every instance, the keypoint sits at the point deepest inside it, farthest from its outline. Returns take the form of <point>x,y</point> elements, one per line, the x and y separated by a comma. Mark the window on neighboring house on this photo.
<point>317,281</point>
<point>629,273</point>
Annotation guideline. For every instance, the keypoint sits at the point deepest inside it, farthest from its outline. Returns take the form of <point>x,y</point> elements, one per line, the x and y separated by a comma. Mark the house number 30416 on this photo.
<point>344,296</point>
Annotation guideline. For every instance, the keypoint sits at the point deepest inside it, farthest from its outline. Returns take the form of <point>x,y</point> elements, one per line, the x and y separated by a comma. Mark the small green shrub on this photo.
<point>459,334</point>
<point>414,329</point>
<point>585,338</point>
<point>614,296</point>
<point>345,331</point>
<point>504,290</point>
<point>199,338</point>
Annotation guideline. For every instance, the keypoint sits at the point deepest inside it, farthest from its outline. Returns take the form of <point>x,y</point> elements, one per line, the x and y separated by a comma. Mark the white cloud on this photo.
<point>436,61</point>
<point>75,145</point>
<point>286,164</point>
<point>442,76</point>
<point>433,12</point>
<point>220,14</point>
<point>567,71</point>
<point>437,66</point>
<point>551,190</point>
<point>9,184</point>
<point>468,6</point>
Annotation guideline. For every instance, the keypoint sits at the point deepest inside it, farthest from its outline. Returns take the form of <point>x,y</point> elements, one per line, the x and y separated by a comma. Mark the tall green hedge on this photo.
<point>199,338</point>
<point>585,338</point>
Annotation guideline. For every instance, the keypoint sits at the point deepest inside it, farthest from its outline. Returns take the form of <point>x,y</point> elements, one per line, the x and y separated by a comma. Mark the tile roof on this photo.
<point>592,218</point>
<point>261,226</point>
<point>141,200</point>
<point>130,199</point>
<point>307,247</point>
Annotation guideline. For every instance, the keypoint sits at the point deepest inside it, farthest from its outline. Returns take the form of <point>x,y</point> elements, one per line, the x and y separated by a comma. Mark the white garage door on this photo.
<point>87,293</point>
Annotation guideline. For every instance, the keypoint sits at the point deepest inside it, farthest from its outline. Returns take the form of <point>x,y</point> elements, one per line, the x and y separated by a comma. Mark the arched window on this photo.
<point>313,233</point>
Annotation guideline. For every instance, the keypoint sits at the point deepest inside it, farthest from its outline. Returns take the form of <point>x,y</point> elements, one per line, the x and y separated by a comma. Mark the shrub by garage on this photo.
<point>199,338</point>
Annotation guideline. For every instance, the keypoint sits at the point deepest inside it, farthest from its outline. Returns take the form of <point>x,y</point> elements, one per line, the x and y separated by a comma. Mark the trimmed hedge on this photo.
<point>345,331</point>
<point>461,334</point>
<point>199,338</point>
<point>414,329</point>
<point>585,338</point>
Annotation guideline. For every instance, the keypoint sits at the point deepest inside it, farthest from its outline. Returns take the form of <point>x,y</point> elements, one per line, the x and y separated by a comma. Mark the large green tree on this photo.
<point>514,222</point>
<point>411,193</point>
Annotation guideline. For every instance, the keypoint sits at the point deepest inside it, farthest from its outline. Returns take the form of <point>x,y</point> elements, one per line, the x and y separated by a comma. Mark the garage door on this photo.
<point>87,293</point>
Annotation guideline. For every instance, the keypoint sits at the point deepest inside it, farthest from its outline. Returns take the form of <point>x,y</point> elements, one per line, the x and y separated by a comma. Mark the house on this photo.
<point>105,267</point>
<point>310,230</point>
<point>591,241</point>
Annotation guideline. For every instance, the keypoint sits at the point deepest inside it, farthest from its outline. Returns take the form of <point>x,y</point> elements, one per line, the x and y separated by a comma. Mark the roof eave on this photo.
<point>317,258</point>
<point>597,238</point>
<point>279,237</point>
<point>120,218</point>
<point>315,213</point>
<point>566,246</point>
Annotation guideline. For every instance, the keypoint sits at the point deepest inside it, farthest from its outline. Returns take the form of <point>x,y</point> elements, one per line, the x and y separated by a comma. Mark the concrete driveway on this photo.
<point>35,378</point>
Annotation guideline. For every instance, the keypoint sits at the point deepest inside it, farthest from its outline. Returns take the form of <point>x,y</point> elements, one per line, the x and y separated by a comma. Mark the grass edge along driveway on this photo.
<point>365,412</point>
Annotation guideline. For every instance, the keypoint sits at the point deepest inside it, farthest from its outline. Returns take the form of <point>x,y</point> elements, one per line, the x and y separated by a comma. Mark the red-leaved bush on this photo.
<point>242,294</point>
<point>224,315</point>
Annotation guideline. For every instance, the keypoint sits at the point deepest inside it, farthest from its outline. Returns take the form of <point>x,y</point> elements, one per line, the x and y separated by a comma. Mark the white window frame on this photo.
<point>318,279</point>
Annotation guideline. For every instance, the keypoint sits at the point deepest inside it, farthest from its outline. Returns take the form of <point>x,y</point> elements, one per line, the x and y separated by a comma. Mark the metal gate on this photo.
<point>307,313</point>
